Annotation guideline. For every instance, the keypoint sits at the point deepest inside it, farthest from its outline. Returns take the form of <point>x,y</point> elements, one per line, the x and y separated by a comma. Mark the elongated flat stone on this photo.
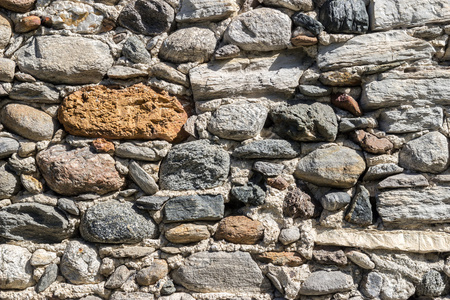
<point>268,149</point>
<point>193,208</point>
<point>412,119</point>
<point>205,10</point>
<point>403,181</point>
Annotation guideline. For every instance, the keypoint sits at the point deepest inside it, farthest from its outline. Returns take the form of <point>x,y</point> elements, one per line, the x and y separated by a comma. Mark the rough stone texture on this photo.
<point>49,276</point>
<point>335,200</point>
<point>193,44</point>
<point>323,282</point>
<point>268,149</point>
<point>411,119</point>
<point>27,121</point>
<point>272,75</point>
<point>227,52</point>
<point>381,171</point>
<point>144,180</point>
<point>16,272</point>
<point>115,222</point>
<point>148,151</point>
<point>194,208</point>
<point>150,275</point>
<point>346,102</point>
<point>344,16</point>
<point>298,204</point>
<point>334,166</point>
<point>194,165</point>
<point>42,257</point>
<point>428,153</point>
<point>134,50</point>
<point>403,181</point>
<point>289,235</point>
<point>329,256</point>
<point>9,181</point>
<point>379,48</point>
<point>35,222</point>
<point>387,14</point>
<point>221,272</point>
<point>120,275</point>
<point>433,284</point>
<point>290,259</point>
<point>137,112</point>
<point>360,210</point>
<point>372,284</point>
<point>5,31</point>
<point>7,68</point>
<point>304,122</point>
<point>395,287</point>
<point>267,168</point>
<point>278,182</point>
<point>250,194</point>
<point>240,230</point>
<point>307,22</point>
<point>149,17</point>
<point>187,233</point>
<point>35,92</point>
<point>302,5</point>
<point>238,121</point>
<point>262,29</point>
<point>67,60</point>
<point>360,259</point>
<point>206,10</point>
<point>151,202</point>
<point>410,206</point>
<point>80,263</point>
<point>371,143</point>
<point>20,6</point>
<point>8,146</point>
<point>71,172</point>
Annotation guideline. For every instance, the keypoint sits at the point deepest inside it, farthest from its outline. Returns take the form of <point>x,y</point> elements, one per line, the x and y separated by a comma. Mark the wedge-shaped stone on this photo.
<point>335,166</point>
<point>206,10</point>
<point>66,60</point>
<point>374,48</point>
<point>387,14</point>
<point>412,119</point>
<point>266,76</point>
<point>411,206</point>
<point>221,272</point>
<point>194,208</point>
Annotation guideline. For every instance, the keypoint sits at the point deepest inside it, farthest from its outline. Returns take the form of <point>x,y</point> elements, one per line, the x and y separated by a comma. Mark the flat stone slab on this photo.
<point>8,146</point>
<point>205,10</point>
<point>269,148</point>
<point>194,208</point>
<point>404,120</point>
<point>323,283</point>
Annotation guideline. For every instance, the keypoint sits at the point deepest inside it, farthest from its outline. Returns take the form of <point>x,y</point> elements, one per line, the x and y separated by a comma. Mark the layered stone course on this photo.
<point>224,149</point>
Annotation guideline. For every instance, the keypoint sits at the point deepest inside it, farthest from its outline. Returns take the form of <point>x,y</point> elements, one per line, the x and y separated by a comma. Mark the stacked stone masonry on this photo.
<point>224,149</point>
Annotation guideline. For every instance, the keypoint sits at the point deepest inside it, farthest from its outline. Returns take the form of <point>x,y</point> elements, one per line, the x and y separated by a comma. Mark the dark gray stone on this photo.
<point>194,208</point>
<point>432,284</point>
<point>250,194</point>
<point>35,222</point>
<point>8,146</point>
<point>69,206</point>
<point>194,165</point>
<point>134,49</point>
<point>323,283</point>
<point>227,52</point>
<point>335,200</point>
<point>9,182</point>
<point>344,16</point>
<point>120,275</point>
<point>149,17</point>
<point>49,276</point>
<point>267,168</point>
<point>116,222</point>
<point>305,122</point>
<point>168,288</point>
<point>144,180</point>
<point>35,92</point>
<point>151,202</point>
<point>371,285</point>
<point>268,149</point>
<point>308,23</point>
<point>349,124</point>
<point>360,210</point>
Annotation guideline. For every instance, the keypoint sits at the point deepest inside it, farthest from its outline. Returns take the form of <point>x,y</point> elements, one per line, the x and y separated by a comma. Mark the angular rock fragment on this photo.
<point>298,204</point>
<point>150,275</point>
<point>35,93</point>
<point>194,208</point>
<point>148,151</point>
<point>206,10</point>
<point>403,181</point>
<point>16,272</point>
<point>120,275</point>
<point>144,180</point>
<point>371,143</point>
<point>360,209</point>
<point>267,168</point>
<point>411,119</point>
<point>80,263</point>
<point>8,146</point>
<point>240,230</point>
<point>7,68</point>
<point>335,200</point>
<point>329,256</point>
<point>346,102</point>
<point>433,284</point>
<point>134,50</point>
<point>250,194</point>
<point>381,171</point>
<point>290,259</point>
<point>371,285</point>
<point>151,202</point>
<point>49,276</point>
<point>305,21</point>
<point>344,16</point>
<point>324,282</point>
<point>268,149</point>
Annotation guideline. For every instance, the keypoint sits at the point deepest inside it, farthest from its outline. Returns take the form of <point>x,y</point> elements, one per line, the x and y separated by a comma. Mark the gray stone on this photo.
<point>349,124</point>
<point>131,295</point>
<point>35,92</point>
<point>381,171</point>
<point>360,259</point>
<point>193,44</point>
<point>289,235</point>
<point>31,184</point>
<point>433,284</point>
<point>334,166</point>
<point>5,31</point>
<point>65,59</point>
<point>404,120</point>
<point>227,52</point>
<point>122,72</point>
<point>206,10</point>
<point>387,14</point>
<point>268,149</point>
<point>335,200</point>
<point>115,222</point>
<point>323,283</point>
<point>8,146</point>
<point>379,48</point>
<point>403,181</point>
<point>148,151</point>
<point>151,202</point>
<point>134,49</point>
<point>194,208</point>
<point>314,90</point>
<point>7,68</point>
<point>360,210</point>
<point>238,121</point>
<point>414,206</point>
<point>144,180</point>
<point>194,165</point>
<point>221,272</point>
<point>267,168</point>
<point>169,73</point>
<point>22,165</point>
<point>49,276</point>
<point>344,16</point>
<point>271,75</point>
<point>120,275</point>
<point>250,194</point>
<point>28,121</point>
<point>310,24</point>
<point>262,29</point>
<point>169,288</point>
<point>305,122</point>
<point>151,274</point>
<point>68,206</point>
<point>396,288</point>
<point>16,272</point>
<point>296,5</point>
<point>428,153</point>
<point>371,285</point>
<point>149,17</point>
<point>80,263</point>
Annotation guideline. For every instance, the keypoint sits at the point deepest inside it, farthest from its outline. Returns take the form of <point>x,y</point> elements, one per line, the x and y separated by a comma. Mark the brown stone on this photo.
<point>20,6</point>
<point>329,256</point>
<point>341,78</point>
<point>303,40</point>
<point>150,275</point>
<point>72,172</point>
<point>346,102</point>
<point>298,204</point>
<point>278,182</point>
<point>102,145</point>
<point>290,259</point>
<point>136,112</point>
<point>187,233</point>
<point>27,24</point>
<point>371,143</point>
<point>240,230</point>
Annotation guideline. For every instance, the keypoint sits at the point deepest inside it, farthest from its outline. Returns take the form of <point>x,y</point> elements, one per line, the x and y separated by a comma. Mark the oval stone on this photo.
<point>5,31</point>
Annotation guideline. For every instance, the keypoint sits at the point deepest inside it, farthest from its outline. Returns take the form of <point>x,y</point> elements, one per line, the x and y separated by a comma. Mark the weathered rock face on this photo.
<point>80,263</point>
<point>194,208</point>
<point>240,230</point>
<point>323,282</point>
<point>219,272</point>
<point>8,146</point>
<point>9,181</point>
<point>17,6</point>
<point>137,112</point>
<point>360,209</point>
<point>16,272</point>
<point>67,60</point>
<point>344,16</point>
<point>187,233</point>
<point>7,67</point>
<point>303,5</point>
<point>206,10</point>
<point>334,166</point>
<point>32,92</point>
<point>71,172</point>
<point>5,31</point>
<point>268,149</point>
<point>134,50</point>
<point>194,165</point>
<point>115,222</point>
<point>261,29</point>
<point>411,119</point>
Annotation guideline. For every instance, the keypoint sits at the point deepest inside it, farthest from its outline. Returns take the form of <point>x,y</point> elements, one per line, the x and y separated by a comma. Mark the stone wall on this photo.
<point>224,149</point>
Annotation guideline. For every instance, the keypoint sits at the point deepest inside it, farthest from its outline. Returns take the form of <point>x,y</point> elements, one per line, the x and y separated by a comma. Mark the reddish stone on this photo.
<point>298,204</point>
<point>346,102</point>
<point>278,182</point>
<point>330,256</point>
<point>27,24</point>
<point>46,22</point>
<point>371,143</point>
<point>107,25</point>
<point>240,230</point>
<point>303,40</point>
<point>102,145</point>
<point>290,259</point>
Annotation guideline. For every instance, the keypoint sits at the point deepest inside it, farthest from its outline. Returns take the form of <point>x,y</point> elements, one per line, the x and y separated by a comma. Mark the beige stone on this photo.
<point>187,233</point>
